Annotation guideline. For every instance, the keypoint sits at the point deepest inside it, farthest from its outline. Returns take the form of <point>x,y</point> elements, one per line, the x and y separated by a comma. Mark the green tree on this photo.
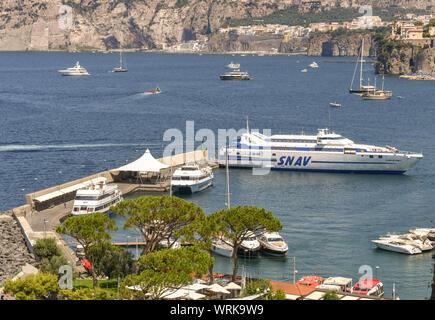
<point>88,230</point>
<point>167,270</point>
<point>331,295</point>
<point>263,286</point>
<point>110,260</point>
<point>237,223</point>
<point>85,294</point>
<point>161,218</point>
<point>200,234</point>
<point>51,255</point>
<point>34,287</point>
<point>46,248</point>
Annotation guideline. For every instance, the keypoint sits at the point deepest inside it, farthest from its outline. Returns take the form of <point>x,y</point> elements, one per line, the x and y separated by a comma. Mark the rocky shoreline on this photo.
<point>13,250</point>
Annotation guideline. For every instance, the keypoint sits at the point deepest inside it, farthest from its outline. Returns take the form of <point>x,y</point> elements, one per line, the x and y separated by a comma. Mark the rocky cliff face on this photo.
<point>142,24</point>
<point>405,59</point>
<point>341,45</point>
<point>105,24</point>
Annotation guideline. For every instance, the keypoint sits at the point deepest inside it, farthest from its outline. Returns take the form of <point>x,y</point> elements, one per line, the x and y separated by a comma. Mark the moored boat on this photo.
<point>235,75</point>
<point>77,70</point>
<point>396,246</point>
<point>233,65</point>
<point>326,151</point>
<point>190,178</point>
<point>310,281</point>
<point>368,287</point>
<point>272,242</point>
<point>250,245</point>
<point>99,197</point>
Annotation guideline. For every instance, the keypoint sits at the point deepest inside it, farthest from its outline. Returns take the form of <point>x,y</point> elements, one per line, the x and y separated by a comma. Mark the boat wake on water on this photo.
<point>18,147</point>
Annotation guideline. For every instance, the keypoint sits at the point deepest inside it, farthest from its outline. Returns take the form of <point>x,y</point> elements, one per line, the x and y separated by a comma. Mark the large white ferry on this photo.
<point>326,151</point>
<point>97,198</point>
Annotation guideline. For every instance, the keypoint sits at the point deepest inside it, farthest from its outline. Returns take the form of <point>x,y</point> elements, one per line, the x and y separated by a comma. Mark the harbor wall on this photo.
<point>175,160</point>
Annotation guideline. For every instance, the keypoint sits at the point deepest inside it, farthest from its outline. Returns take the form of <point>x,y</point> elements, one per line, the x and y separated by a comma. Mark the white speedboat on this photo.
<point>314,65</point>
<point>250,245</point>
<point>335,104</point>
<point>327,151</point>
<point>395,246</point>
<point>190,178</point>
<point>99,197</point>
<point>272,242</point>
<point>423,244</point>
<point>77,70</point>
<point>233,65</point>
<point>304,70</point>
<point>222,248</point>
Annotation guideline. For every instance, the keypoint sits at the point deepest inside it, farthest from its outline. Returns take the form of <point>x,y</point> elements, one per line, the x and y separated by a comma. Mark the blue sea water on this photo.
<point>54,129</point>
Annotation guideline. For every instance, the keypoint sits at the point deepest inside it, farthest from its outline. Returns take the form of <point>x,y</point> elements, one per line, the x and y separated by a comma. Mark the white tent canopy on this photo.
<point>146,163</point>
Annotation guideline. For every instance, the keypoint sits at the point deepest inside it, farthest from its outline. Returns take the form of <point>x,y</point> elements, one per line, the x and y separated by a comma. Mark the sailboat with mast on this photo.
<point>362,88</point>
<point>378,94</point>
<point>120,68</point>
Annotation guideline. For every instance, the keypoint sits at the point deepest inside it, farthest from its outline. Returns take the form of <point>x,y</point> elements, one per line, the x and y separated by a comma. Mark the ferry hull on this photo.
<point>336,163</point>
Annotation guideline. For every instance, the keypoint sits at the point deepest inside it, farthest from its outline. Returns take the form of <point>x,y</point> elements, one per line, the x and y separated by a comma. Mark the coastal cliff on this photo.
<point>401,57</point>
<point>42,25</point>
<point>344,45</point>
<point>103,24</point>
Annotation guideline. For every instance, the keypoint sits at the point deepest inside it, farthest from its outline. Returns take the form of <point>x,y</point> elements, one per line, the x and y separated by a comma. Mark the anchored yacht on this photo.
<point>191,178</point>
<point>235,75</point>
<point>396,246</point>
<point>77,70</point>
<point>99,197</point>
<point>326,151</point>
<point>272,242</point>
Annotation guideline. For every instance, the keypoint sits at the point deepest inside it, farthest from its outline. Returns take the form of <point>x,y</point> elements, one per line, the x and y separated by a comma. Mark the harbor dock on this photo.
<point>46,209</point>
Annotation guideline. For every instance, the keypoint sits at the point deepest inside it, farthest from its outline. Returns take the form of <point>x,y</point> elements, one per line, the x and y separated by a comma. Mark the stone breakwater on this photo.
<point>13,250</point>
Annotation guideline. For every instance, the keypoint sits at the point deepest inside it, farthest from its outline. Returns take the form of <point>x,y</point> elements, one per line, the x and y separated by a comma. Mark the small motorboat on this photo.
<point>304,70</point>
<point>335,104</point>
<point>310,281</point>
<point>272,242</point>
<point>314,65</point>
<point>250,245</point>
<point>154,91</point>
<point>368,287</point>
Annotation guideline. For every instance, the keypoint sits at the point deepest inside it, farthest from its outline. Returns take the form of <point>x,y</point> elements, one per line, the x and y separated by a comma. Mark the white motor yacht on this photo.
<point>233,65</point>
<point>423,244</point>
<point>222,248</point>
<point>250,244</point>
<point>190,178</point>
<point>396,246</point>
<point>314,65</point>
<point>428,233</point>
<point>98,197</point>
<point>77,70</point>
<point>272,242</point>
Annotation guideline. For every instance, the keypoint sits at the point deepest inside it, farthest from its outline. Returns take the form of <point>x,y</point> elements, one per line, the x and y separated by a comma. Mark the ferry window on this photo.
<point>83,208</point>
<point>371,156</point>
<point>76,209</point>
<point>379,156</point>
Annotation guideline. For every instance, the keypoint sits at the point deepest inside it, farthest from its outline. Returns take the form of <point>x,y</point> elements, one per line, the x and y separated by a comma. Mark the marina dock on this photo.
<point>46,209</point>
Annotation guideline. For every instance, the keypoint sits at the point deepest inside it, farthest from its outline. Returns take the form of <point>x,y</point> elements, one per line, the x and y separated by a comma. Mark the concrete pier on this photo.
<point>46,209</point>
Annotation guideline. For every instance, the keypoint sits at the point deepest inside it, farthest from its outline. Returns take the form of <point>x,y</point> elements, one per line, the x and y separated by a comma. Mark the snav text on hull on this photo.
<point>326,151</point>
